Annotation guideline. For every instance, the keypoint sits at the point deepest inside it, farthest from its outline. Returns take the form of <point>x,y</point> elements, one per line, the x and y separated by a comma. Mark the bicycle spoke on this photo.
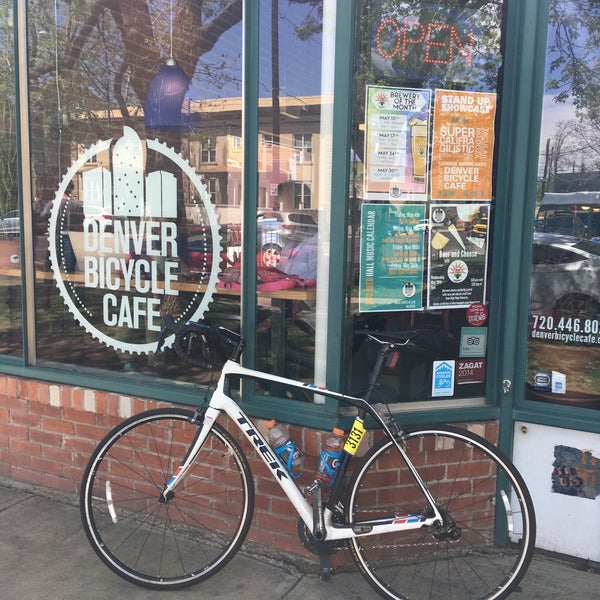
<point>157,542</point>
<point>459,557</point>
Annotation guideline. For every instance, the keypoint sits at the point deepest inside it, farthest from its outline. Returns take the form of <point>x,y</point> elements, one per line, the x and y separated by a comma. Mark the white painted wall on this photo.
<point>565,524</point>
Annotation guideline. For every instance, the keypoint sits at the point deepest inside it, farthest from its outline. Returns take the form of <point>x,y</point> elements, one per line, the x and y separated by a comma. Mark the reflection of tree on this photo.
<point>574,78</point>
<point>92,61</point>
<point>8,136</point>
<point>575,53</point>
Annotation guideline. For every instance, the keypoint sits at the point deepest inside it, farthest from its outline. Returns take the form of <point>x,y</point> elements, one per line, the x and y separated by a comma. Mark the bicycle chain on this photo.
<point>391,546</point>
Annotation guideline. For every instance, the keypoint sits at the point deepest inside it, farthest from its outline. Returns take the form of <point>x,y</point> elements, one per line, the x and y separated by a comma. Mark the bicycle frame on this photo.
<point>220,402</point>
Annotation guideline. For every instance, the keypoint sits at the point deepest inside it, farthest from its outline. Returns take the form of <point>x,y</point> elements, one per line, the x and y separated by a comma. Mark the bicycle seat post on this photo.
<point>376,371</point>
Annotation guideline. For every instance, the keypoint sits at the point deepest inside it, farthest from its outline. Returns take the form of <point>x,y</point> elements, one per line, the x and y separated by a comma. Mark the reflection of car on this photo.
<point>294,226</point>
<point>565,280</point>
<point>10,223</point>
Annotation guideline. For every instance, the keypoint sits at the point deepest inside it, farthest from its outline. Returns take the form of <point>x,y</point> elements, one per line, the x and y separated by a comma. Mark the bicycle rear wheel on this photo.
<point>173,544</point>
<point>483,547</point>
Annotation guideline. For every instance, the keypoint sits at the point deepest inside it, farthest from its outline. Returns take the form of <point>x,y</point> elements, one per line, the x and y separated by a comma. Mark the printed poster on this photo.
<point>457,256</point>
<point>397,123</point>
<point>462,145</point>
<point>391,257</point>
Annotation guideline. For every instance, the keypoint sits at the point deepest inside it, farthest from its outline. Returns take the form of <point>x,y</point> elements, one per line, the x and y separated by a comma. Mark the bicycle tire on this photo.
<point>485,545</point>
<point>180,542</point>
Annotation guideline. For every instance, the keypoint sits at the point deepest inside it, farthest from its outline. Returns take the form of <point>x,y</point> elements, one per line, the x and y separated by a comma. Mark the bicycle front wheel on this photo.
<point>174,543</point>
<point>483,546</point>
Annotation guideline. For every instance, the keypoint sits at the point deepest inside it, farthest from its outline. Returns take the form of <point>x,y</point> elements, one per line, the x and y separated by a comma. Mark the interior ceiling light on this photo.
<point>166,93</point>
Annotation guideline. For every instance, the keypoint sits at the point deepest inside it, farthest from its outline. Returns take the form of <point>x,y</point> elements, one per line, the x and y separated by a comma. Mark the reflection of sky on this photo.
<point>299,61</point>
<point>553,112</point>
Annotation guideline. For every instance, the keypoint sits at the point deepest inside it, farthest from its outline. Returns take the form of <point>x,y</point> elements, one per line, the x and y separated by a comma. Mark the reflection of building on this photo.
<point>288,177</point>
<point>576,181</point>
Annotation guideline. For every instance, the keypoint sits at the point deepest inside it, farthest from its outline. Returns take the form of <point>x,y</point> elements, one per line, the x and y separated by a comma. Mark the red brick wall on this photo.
<point>48,431</point>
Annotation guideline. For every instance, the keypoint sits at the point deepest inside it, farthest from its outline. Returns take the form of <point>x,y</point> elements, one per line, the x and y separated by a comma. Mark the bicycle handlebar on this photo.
<point>186,338</point>
<point>391,338</point>
<point>191,340</point>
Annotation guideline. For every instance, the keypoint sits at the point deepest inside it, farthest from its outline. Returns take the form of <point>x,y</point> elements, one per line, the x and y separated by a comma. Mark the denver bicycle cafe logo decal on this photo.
<point>116,250</point>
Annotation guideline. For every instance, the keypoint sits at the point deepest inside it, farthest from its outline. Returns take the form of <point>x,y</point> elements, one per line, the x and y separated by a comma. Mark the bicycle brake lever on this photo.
<point>161,340</point>
<point>167,328</point>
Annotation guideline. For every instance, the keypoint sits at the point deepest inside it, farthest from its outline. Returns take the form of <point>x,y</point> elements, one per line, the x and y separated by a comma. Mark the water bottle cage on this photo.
<point>290,449</point>
<point>329,463</point>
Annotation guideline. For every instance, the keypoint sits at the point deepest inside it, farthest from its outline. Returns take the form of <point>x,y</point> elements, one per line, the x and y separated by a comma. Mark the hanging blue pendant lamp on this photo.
<point>164,100</point>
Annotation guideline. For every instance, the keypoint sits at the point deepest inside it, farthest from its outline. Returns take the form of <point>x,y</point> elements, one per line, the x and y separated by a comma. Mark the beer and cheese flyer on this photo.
<point>457,254</point>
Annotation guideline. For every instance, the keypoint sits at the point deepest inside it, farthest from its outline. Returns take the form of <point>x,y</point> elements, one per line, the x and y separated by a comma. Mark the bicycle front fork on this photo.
<point>168,491</point>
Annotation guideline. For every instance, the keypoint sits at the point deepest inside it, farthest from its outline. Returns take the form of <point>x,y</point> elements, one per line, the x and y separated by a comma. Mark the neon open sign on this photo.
<point>435,37</point>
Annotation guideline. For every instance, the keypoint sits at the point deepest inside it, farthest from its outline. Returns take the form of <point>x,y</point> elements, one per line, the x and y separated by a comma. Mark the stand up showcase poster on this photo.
<point>391,257</point>
<point>457,258</point>
<point>462,146</point>
<point>397,125</point>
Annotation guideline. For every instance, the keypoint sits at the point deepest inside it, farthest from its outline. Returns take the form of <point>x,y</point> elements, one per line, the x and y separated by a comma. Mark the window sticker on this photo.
<point>116,250</point>
<point>396,143</point>
<point>473,341</point>
<point>470,371</point>
<point>550,381</point>
<point>457,259</point>
<point>463,145</point>
<point>443,378</point>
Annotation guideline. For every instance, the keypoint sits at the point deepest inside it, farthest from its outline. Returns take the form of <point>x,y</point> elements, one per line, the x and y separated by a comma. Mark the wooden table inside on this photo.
<point>282,301</point>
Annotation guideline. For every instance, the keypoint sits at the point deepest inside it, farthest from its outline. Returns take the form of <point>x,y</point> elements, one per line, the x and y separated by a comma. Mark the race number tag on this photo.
<point>355,437</point>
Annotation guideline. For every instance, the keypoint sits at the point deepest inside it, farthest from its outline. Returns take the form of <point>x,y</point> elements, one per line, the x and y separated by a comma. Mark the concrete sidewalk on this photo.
<point>44,554</point>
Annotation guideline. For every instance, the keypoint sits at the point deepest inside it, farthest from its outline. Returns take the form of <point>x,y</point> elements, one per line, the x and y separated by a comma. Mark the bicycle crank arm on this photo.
<point>316,493</point>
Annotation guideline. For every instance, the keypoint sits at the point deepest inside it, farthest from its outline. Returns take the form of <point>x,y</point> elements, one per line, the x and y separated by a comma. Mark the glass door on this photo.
<point>563,363</point>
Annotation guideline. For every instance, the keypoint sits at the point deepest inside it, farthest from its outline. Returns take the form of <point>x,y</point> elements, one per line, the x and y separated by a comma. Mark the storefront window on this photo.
<point>422,194</point>
<point>564,324</point>
<point>136,161</point>
<point>292,200</point>
<point>11,322</point>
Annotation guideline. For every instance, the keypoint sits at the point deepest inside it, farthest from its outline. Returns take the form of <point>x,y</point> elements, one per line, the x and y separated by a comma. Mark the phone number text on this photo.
<point>566,329</point>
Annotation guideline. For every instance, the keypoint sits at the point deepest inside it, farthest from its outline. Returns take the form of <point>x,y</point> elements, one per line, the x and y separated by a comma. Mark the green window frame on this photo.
<point>521,105</point>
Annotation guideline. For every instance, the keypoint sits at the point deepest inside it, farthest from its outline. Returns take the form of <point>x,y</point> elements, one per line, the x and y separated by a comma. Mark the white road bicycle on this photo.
<point>428,512</point>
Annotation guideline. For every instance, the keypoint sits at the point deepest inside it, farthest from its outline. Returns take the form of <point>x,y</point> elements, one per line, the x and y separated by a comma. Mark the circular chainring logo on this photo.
<point>117,249</point>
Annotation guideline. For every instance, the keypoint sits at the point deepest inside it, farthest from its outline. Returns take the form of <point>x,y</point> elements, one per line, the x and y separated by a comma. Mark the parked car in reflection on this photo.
<point>10,223</point>
<point>294,226</point>
<point>565,279</point>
